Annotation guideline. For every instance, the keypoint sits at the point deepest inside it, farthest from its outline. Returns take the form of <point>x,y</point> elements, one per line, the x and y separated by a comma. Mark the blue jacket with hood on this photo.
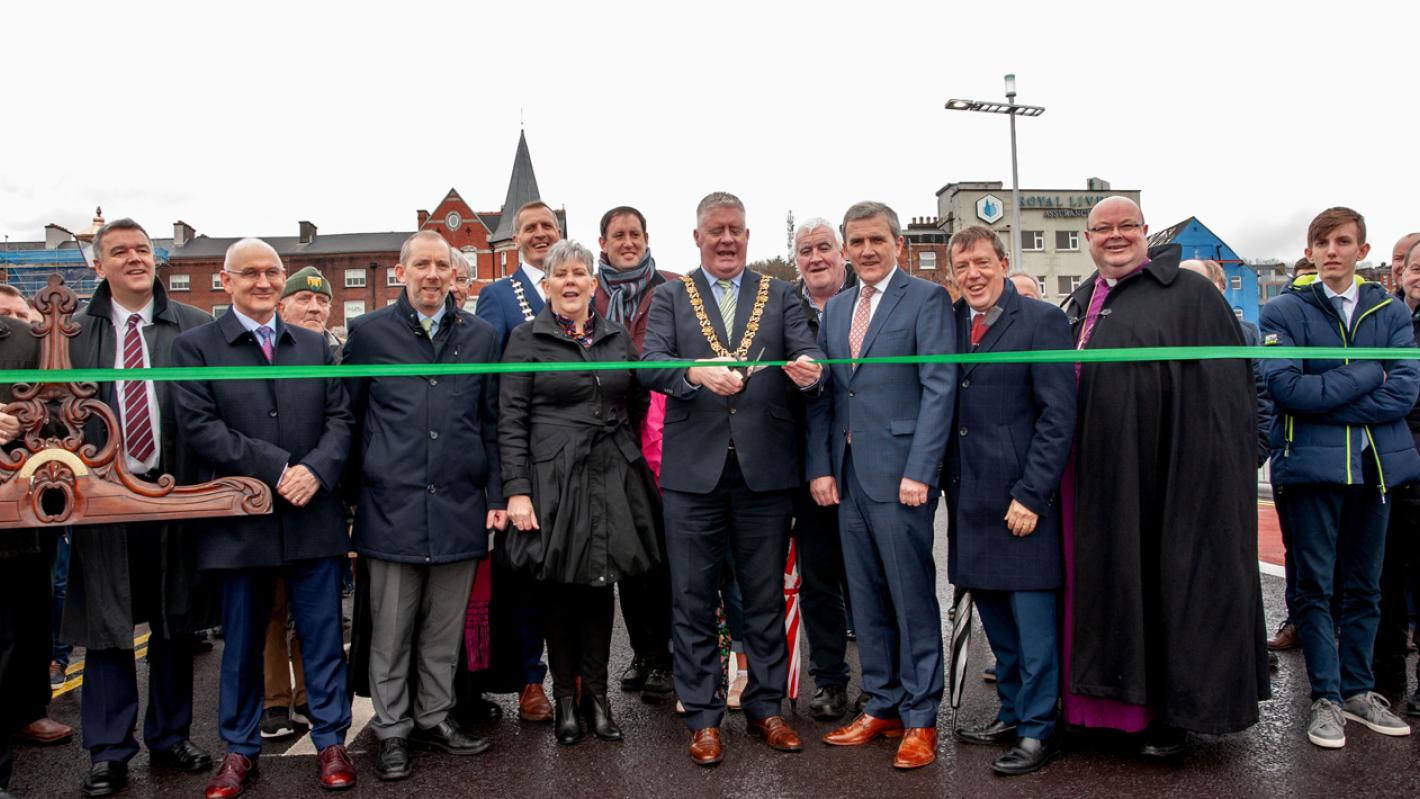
<point>1333,413</point>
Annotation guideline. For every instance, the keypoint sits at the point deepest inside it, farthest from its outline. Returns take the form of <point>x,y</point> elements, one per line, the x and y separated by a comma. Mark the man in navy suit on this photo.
<point>895,417</point>
<point>293,435</point>
<point>1002,489</point>
<point>505,304</point>
<point>730,467</point>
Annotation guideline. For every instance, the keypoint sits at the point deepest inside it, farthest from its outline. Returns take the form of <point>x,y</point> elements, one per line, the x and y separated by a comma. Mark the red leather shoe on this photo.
<point>705,748</point>
<point>918,748</point>
<point>337,773</point>
<point>231,777</point>
<point>864,729</point>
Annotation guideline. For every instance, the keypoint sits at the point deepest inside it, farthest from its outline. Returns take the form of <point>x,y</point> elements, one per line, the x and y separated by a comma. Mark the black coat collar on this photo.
<point>101,304</point>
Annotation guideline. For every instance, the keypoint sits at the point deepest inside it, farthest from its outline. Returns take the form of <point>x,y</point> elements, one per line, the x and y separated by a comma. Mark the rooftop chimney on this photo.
<point>423,217</point>
<point>182,233</point>
<point>1097,184</point>
<point>54,235</point>
<point>308,232</point>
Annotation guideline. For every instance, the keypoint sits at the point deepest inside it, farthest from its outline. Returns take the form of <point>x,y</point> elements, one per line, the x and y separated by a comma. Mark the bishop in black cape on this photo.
<point>1167,599</point>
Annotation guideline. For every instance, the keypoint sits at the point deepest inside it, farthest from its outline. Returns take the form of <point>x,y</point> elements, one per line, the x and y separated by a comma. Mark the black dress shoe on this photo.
<point>183,756</point>
<point>634,678</point>
<point>480,708</point>
<point>1412,705</point>
<point>997,732</point>
<point>597,713</point>
<point>659,685</point>
<point>1161,740</point>
<point>1029,754</point>
<point>830,702</point>
<point>392,761</point>
<point>106,778</point>
<point>448,738</point>
<point>564,721</point>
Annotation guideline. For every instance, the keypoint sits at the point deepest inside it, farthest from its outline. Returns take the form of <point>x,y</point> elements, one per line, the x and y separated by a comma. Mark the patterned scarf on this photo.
<point>570,328</point>
<point>624,288</point>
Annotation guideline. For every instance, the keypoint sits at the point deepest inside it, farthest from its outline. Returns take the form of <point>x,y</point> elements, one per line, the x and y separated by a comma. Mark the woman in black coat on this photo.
<point>579,491</point>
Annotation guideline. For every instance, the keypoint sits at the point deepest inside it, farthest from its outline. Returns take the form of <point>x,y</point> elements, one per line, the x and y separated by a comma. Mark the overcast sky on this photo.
<point>242,118</point>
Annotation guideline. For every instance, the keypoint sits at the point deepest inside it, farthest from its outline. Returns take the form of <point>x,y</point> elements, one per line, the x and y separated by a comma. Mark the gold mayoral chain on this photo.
<point>761,297</point>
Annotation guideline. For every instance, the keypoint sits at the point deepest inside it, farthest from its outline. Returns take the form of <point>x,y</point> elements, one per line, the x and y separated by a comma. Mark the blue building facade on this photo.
<point>1203,244</point>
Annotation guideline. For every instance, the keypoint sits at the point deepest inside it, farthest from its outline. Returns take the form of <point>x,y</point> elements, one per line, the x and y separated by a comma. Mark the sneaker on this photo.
<point>301,715</point>
<point>1373,710</point>
<point>276,723</point>
<point>1327,728</point>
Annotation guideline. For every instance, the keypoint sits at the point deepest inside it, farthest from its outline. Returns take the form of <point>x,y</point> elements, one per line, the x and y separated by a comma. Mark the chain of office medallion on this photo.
<point>761,298</point>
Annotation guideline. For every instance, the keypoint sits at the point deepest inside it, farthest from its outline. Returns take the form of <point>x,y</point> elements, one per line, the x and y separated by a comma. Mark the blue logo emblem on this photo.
<point>990,209</point>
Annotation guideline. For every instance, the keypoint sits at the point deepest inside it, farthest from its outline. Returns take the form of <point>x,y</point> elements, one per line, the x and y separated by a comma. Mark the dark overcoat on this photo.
<point>1167,598</point>
<point>256,428</point>
<point>567,441</point>
<point>424,469</point>
<point>99,610</point>
<point>700,424</point>
<point>1010,441</point>
<point>19,349</point>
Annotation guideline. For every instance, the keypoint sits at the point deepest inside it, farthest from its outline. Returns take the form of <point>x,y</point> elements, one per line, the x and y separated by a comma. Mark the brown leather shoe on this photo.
<point>336,771</point>
<point>918,748</point>
<point>775,732</point>
<point>44,731</point>
<point>1286,638</point>
<point>864,729</point>
<point>231,777</point>
<point>705,747</point>
<point>533,704</point>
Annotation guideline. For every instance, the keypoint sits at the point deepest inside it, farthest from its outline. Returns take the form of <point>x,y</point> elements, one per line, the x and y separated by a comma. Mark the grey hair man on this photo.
<point>463,277</point>
<point>1026,284</point>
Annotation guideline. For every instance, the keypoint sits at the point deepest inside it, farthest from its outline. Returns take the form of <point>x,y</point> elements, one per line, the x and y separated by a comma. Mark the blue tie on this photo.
<point>1339,303</point>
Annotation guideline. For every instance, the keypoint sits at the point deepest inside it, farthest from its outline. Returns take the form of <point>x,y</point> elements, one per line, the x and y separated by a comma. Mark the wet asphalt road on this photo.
<point>1272,759</point>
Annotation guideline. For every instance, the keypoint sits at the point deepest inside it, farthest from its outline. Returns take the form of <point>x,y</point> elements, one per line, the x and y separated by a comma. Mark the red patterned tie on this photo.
<point>138,423</point>
<point>860,321</point>
<point>268,342</point>
<point>978,329</point>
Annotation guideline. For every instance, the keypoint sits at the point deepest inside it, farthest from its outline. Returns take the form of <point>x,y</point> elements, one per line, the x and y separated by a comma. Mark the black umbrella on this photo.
<point>956,648</point>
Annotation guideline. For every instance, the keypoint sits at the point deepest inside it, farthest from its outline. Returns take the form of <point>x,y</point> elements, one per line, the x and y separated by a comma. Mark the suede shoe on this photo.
<point>705,748</point>
<point>337,773</point>
<point>1327,727</point>
<point>231,777</point>
<point>918,748</point>
<point>830,702</point>
<point>1372,711</point>
<point>105,778</point>
<point>1028,755</point>
<point>392,761</point>
<point>533,704</point>
<point>863,729</point>
<point>448,738</point>
<point>775,732</point>
<point>997,732</point>
<point>184,756</point>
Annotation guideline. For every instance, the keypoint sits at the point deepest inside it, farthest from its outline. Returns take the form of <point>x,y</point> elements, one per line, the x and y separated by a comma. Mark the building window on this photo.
<point>217,280</point>
<point>1237,282</point>
<point>1067,283</point>
<point>927,260</point>
<point>391,300</point>
<point>1040,285</point>
<point>178,282</point>
<point>218,310</point>
<point>1067,240</point>
<point>390,279</point>
<point>353,308</point>
<point>354,278</point>
<point>1032,241</point>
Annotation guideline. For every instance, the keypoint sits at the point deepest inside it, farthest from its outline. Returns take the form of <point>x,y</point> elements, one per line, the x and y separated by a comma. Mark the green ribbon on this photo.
<point>1122,355</point>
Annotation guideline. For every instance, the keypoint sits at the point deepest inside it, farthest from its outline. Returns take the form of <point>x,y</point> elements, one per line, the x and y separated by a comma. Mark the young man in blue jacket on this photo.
<point>1339,443</point>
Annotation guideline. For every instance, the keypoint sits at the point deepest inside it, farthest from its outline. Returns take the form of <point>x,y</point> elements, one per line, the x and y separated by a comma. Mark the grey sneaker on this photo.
<point>1373,710</point>
<point>1327,728</point>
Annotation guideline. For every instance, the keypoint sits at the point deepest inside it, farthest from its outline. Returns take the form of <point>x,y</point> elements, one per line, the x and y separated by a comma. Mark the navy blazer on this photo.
<point>255,428</point>
<point>700,424</point>
<point>899,413</point>
<point>498,305</point>
<point>424,466</point>
<point>1011,438</point>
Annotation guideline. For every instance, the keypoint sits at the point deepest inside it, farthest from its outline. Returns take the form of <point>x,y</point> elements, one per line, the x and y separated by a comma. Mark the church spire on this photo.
<point>522,188</point>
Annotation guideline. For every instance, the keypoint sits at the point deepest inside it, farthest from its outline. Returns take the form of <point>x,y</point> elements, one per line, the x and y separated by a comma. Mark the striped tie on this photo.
<point>727,305</point>
<point>138,422</point>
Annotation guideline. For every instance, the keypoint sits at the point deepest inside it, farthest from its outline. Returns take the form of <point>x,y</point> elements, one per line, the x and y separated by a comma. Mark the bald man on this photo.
<point>1025,284</point>
<point>1161,566</point>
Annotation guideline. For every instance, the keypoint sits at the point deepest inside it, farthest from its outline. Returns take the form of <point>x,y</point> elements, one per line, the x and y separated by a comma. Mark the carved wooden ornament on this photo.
<point>59,479</point>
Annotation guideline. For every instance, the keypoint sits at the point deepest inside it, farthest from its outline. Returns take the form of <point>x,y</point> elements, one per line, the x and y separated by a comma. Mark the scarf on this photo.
<point>569,327</point>
<point>624,288</point>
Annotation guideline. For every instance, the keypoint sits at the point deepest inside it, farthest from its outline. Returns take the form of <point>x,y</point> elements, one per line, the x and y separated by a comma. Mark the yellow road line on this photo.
<point>75,671</point>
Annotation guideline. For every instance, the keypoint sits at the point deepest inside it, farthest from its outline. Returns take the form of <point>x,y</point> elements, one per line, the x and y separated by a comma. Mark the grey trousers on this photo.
<point>410,603</point>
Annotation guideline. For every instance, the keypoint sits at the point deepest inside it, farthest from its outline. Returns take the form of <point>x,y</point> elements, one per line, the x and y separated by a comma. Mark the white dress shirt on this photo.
<point>535,275</point>
<point>1348,299</point>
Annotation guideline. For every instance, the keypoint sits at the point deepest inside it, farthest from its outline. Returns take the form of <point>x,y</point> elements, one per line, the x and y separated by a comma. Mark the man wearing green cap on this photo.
<point>306,302</point>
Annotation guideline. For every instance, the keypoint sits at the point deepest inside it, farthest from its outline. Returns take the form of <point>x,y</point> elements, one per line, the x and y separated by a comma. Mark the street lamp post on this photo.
<point>1011,108</point>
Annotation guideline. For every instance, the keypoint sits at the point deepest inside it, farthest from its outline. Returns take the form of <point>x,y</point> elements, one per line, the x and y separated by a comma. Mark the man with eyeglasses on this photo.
<point>294,436</point>
<point>1163,629</point>
<point>124,575</point>
<point>463,277</point>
